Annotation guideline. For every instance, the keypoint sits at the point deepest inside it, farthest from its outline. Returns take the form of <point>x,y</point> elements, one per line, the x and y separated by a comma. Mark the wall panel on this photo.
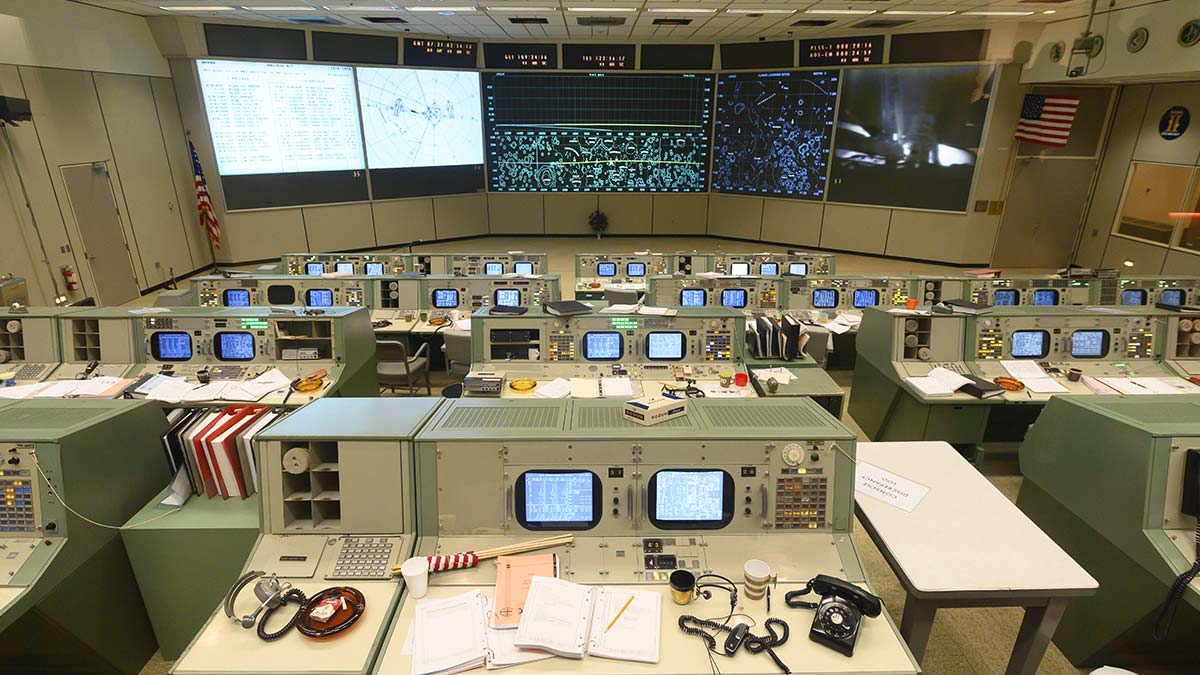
<point>1146,258</point>
<point>792,221</point>
<point>735,216</point>
<point>680,214</point>
<point>855,228</point>
<point>461,216</point>
<point>628,214</point>
<point>401,221</point>
<point>171,126</point>
<point>339,227</point>
<point>1152,147</point>
<point>1182,262</point>
<point>568,213</point>
<point>515,213</point>
<point>263,235</point>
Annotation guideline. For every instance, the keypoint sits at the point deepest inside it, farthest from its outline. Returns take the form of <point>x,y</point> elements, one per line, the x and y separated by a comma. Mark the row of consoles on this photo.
<point>733,480</point>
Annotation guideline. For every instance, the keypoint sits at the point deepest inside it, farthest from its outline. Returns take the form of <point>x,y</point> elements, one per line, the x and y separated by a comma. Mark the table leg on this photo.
<point>916,624</point>
<point>1037,628</point>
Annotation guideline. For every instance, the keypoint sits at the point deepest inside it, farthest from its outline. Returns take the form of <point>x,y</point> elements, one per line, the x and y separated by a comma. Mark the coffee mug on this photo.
<point>683,586</point>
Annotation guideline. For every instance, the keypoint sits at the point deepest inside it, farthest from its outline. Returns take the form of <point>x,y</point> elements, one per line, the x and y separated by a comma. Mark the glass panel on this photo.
<point>1152,202</point>
<point>1189,236</point>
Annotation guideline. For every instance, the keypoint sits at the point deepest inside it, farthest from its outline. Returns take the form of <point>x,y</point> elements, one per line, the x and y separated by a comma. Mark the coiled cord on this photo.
<point>754,644</point>
<point>295,595</point>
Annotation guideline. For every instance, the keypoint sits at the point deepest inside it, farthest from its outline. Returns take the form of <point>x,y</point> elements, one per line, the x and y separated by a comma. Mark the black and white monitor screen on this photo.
<point>1172,296</point>
<point>739,269</point>
<point>1005,297</point>
<point>768,269</point>
<point>494,269</point>
<point>690,499</point>
<point>235,297</point>
<point>1045,297</point>
<point>374,269</point>
<point>693,297</point>
<point>344,267</point>
<point>281,294</point>
<point>1089,344</point>
<point>635,269</point>
<point>318,297</point>
<point>665,346</point>
<point>1030,344</point>
<point>525,267</point>
<point>234,346</point>
<point>558,500</point>
<point>798,269</point>
<point>865,297</point>
<point>1134,296</point>
<point>603,346</point>
<point>445,298</point>
<point>733,297</point>
<point>314,269</point>
<point>606,269</point>
<point>824,298</point>
<point>171,346</point>
<point>508,297</point>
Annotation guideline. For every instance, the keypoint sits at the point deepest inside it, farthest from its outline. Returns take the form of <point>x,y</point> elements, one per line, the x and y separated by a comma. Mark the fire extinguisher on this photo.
<point>69,276</point>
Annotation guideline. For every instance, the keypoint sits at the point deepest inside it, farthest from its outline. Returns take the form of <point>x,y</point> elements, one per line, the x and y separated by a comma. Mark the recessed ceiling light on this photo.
<point>441,8</point>
<point>839,11</point>
<point>281,8</point>
<point>601,9</point>
<point>1050,11</point>
<point>196,8</point>
<point>918,12</point>
<point>361,8</point>
<point>521,9</point>
<point>760,11</point>
<point>682,10</point>
<point>995,13</point>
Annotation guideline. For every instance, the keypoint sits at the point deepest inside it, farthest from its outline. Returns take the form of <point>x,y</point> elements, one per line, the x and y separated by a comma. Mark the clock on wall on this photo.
<point>1189,34</point>
<point>1057,51</point>
<point>1137,39</point>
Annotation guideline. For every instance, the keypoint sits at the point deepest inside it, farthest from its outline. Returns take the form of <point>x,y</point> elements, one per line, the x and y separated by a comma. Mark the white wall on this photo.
<point>61,34</point>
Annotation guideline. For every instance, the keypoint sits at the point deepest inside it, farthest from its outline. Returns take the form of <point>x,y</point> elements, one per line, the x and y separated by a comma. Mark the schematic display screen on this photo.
<point>314,269</point>
<point>1030,344</point>
<point>558,500</point>
<point>1089,344</point>
<point>824,298</point>
<point>1045,297</point>
<point>1004,297</point>
<point>237,297</point>
<point>344,267</point>
<point>739,269</point>
<point>635,269</point>
<point>693,297</point>
<point>799,269</point>
<point>768,269</point>
<point>171,346</point>
<point>602,346</point>
<point>681,499</point>
<point>865,297</point>
<point>1134,297</point>
<point>523,267</point>
<point>234,346</point>
<point>773,132</point>
<point>445,298</point>
<point>733,297</point>
<point>318,297</point>
<point>665,346</point>
<point>508,297</point>
<point>606,269</point>
<point>493,269</point>
<point>597,132</point>
<point>1172,296</point>
<point>374,269</point>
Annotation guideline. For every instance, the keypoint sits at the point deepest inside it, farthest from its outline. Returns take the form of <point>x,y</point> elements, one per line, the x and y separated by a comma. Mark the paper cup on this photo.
<point>758,575</point>
<point>416,576</point>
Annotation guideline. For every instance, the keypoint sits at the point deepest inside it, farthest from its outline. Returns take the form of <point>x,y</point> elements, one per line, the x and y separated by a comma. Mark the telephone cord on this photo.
<point>754,644</point>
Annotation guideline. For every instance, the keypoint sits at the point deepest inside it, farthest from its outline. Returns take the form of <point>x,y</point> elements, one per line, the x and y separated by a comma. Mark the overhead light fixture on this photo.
<point>361,8</point>
<point>281,8</point>
<point>596,10</point>
<point>196,8</point>
<point>760,10</point>
<point>918,12</point>
<point>1127,262</point>
<point>681,10</point>
<point>1050,11</point>
<point>854,12</point>
<point>988,12</point>
<point>441,8</point>
<point>521,9</point>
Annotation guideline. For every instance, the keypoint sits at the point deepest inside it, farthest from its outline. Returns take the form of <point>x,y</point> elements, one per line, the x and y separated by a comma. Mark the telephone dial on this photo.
<point>839,612</point>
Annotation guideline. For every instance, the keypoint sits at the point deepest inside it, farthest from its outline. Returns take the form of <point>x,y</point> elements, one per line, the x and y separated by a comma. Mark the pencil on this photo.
<point>623,608</point>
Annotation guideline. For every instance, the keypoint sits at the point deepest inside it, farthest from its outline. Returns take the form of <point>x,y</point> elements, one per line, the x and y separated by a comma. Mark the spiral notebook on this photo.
<point>451,636</point>
<point>572,620</point>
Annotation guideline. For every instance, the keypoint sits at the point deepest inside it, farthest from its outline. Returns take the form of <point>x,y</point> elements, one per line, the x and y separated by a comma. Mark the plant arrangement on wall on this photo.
<point>598,221</point>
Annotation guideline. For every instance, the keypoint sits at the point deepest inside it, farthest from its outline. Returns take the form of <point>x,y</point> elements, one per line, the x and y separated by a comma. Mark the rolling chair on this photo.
<point>397,369</point>
<point>456,346</point>
<point>620,296</point>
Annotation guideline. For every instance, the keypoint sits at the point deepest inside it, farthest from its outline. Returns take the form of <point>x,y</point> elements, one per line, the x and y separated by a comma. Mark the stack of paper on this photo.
<point>572,620</point>
<point>1150,385</point>
<point>97,387</point>
<point>556,388</point>
<point>585,387</point>
<point>781,375</point>
<point>448,635</point>
<point>1034,378</point>
<point>23,390</point>
<point>939,382</point>
<point>616,387</point>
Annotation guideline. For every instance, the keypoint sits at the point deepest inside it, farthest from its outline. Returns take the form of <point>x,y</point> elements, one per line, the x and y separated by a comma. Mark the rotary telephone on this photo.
<point>839,612</point>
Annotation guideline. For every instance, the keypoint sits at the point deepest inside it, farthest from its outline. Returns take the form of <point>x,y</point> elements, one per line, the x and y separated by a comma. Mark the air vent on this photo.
<point>326,20</point>
<point>512,416</point>
<point>384,19</point>
<point>881,23</point>
<point>528,19</point>
<point>601,21</point>
<point>613,417</point>
<point>763,417</point>
<point>672,22</point>
<point>812,23</point>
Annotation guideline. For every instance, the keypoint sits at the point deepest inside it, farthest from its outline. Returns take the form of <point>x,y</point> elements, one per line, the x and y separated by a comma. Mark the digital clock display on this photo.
<point>520,55</point>
<point>848,51</point>
<point>443,53</point>
<point>599,57</point>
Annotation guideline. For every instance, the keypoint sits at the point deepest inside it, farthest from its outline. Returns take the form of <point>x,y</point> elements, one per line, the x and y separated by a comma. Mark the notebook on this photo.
<point>514,573</point>
<point>571,620</point>
<point>448,635</point>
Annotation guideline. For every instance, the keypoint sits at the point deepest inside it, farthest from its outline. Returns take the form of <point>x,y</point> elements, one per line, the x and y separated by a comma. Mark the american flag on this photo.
<point>1047,119</point>
<point>208,218</point>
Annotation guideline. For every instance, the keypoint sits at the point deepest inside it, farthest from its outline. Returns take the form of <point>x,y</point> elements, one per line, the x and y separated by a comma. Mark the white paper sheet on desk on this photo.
<point>181,489</point>
<point>23,390</point>
<point>503,652</point>
<point>151,310</point>
<point>616,387</point>
<point>171,391</point>
<point>58,389</point>
<point>781,375</point>
<point>585,387</point>
<point>657,311</point>
<point>1044,385</point>
<point>213,391</point>
<point>939,382</point>
<point>253,390</point>
<point>93,387</point>
<point>1137,386</point>
<point>887,487</point>
<point>620,309</point>
<point>152,382</point>
<point>1024,370</point>
<point>463,324</point>
<point>715,390</point>
<point>556,388</point>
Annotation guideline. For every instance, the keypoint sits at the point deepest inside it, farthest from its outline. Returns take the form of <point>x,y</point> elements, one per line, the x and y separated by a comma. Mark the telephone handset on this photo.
<point>839,612</point>
<point>88,370</point>
<point>1190,506</point>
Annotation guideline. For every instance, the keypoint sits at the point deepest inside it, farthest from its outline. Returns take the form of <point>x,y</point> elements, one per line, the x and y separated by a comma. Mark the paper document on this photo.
<point>151,310</point>
<point>152,382</point>
<point>620,309</point>
<point>171,391</point>
<point>503,651</point>
<point>556,617</point>
<point>715,390</point>
<point>23,390</point>
<point>514,575</point>
<point>1044,385</point>
<point>585,387</point>
<point>887,487</point>
<point>213,391</point>
<point>253,390</point>
<point>657,311</point>
<point>616,387</point>
<point>939,382</point>
<point>1024,370</point>
<point>556,388</point>
<point>626,624</point>
<point>781,375</point>
<point>58,389</point>
<point>181,489</point>
<point>1137,386</point>
<point>449,635</point>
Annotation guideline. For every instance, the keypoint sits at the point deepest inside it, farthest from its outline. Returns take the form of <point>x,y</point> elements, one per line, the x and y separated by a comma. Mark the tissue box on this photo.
<point>654,409</point>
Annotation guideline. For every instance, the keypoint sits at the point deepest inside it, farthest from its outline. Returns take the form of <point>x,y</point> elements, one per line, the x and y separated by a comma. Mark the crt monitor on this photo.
<point>1030,344</point>
<point>1005,297</point>
<point>550,499</point>
<point>523,267</point>
<point>690,499</point>
<point>1045,297</point>
<point>318,297</point>
<point>824,298</point>
<point>635,269</point>
<point>373,269</point>
<point>798,269</point>
<point>606,269</point>
<point>665,346</point>
<point>739,269</point>
<point>603,346</point>
<point>445,298</point>
<point>235,297</point>
<point>1172,296</point>
<point>344,267</point>
<point>1134,296</point>
<point>171,346</point>
<point>768,269</point>
<point>314,269</point>
<point>507,297</point>
<point>493,268</point>
<point>234,346</point>
<point>733,297</point>
<point>693,297</point>
<point>865,297</point>
<point>1089,344</point>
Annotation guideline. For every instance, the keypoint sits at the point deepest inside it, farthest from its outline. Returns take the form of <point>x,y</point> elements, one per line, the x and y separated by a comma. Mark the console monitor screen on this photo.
<point>733,297</point>
<point>281,294</point>
<point>493,269</point>
<point>1089,344</point>
<point>344,267</point>
<point>768,269</point>
<point>693,297</point>
<point>1045,297</point>
<point>374,269</point>
<point>236,297</point>
<point>1030,344</point>
<point>1005,297</point>
<point>665,346</point>
<point>318,297</point>
<point>314,269</point>
<point>445,298</point>
<point>508,297</point>
<point>824,298</point>
<point>865,297</point>
<point>558,500</point>
<point>523,267</point>
<point>799,269</point>
<point>606,269</point>
<point>234,346</point>
<point>603,346</point>
<point>739,269</point>
<point>635,269</point>
<point>1172,296</point>
<point>1134,296</point>
<point>690,499</point>
<point>171,346</point>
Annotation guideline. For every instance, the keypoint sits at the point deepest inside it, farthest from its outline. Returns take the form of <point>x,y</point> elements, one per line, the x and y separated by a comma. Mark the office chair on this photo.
<point>457,348</point>
<point>397,369</point>
<point>620,296</point>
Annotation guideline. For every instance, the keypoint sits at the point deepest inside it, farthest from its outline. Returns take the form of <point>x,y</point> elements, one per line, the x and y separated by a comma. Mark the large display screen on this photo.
<point>171,346</point>
<point>1030,344</point>
<point>772,133</point>
<point>824,298</point>
<point>445,298</point>
<point>1134,297</point>
<point>318,297</point>
<point>314,269</point>
<point>597,132</point>
<point>733,297</point>
<point>909,137</point>
<point>284,133</point>
<point>423,131</point>
<point>693,297</point>
<point>558,500</point>
<point>1045,297</point>
<point>344,267</point>
<point>603,346</point>
<point>234,346</point>
<point>665,346</point>
<point>236,297</point>
<point>681,499</point>
<point>1089,344</point>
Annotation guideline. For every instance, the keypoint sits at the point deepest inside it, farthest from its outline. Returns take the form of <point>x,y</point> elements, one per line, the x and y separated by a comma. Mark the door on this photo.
<point>1046,200</point>
<point>91,195</point>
